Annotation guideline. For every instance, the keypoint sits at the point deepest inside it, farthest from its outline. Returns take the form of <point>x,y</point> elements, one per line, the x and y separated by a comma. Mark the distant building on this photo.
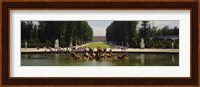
<point>99,38</point>
<point>166,37</point>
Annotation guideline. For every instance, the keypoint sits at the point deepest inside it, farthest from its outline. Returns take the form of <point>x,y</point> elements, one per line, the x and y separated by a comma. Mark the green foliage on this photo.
<point>119,32</point>
<point>47,43</point>
<point>122,32</point>
<point>176,44</point>
<point>46,32</point>
<point>78,32</point>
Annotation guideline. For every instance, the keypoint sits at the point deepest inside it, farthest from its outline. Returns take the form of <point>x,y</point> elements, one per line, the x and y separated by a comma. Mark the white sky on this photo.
<point>99,27</point>
<point>171,24</point>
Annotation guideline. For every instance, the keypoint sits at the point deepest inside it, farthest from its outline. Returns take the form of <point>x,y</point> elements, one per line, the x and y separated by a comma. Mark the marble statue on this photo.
<point>172,45</point>
<point>142,44</point>
<point>56,43</point>
<point>25,44</point>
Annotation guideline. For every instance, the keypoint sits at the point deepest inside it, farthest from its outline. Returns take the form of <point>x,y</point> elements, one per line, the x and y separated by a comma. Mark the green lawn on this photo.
<point>100,44</point>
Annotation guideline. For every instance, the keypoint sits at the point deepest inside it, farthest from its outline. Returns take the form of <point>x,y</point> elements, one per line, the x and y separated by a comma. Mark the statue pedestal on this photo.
<point>142,45</point>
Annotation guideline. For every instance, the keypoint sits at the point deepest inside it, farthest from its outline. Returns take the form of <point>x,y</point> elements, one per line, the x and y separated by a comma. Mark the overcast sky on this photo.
<point>99,27</point>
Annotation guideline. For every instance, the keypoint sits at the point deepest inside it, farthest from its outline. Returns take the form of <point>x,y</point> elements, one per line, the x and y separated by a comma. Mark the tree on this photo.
<point>176,31</point>
<point>122,33</point>
<point>46,32</point>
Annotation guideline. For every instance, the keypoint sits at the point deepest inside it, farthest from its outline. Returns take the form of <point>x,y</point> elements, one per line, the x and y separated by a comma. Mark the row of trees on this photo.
<point>44,33</point>
<point>122,32</point>
<point>128,33</point>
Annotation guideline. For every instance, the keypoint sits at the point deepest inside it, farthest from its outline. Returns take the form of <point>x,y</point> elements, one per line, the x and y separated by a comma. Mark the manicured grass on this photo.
<point>100,44</point>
